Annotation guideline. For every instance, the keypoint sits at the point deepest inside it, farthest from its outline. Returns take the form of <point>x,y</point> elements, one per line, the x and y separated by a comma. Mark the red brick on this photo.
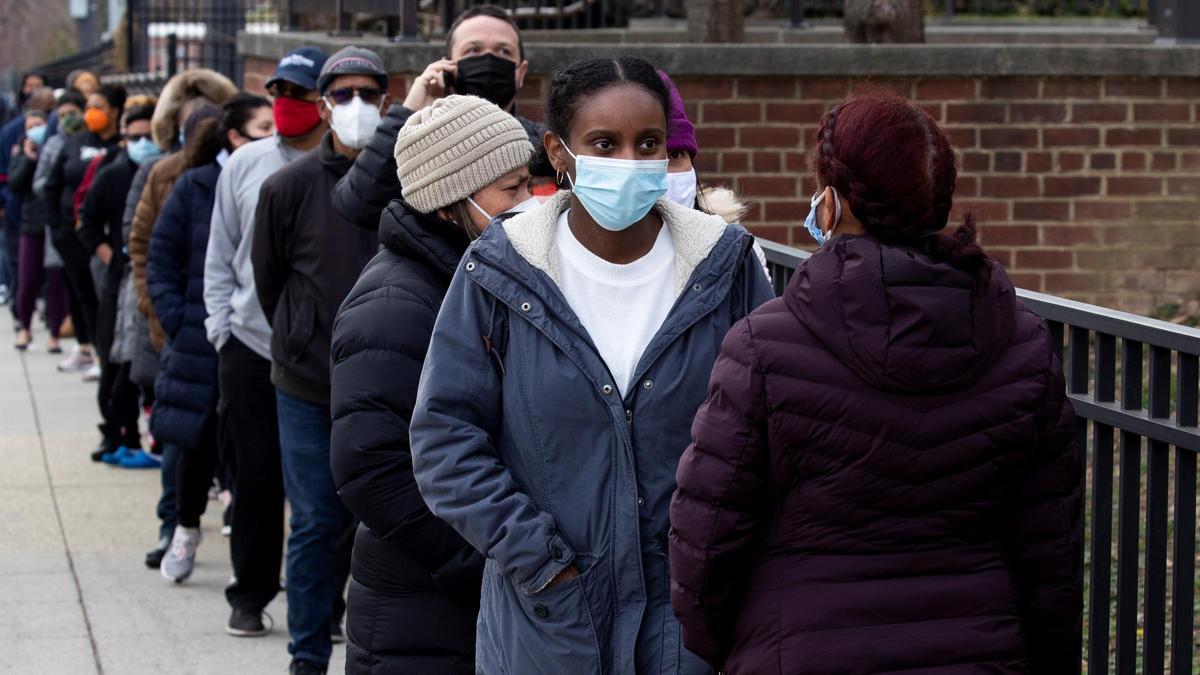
<point>936,111</point>
<point>1055,137</point>
<point>1071,87</point>
<point>769,137</point>
<point>785,211</point>
<point>1007,161</point>
<point>824,88</point>
<point>1102,161</point>
<point>945,89</point>
<point>796,113</point>
<point>964,113</point>
<point>896,85</point>
<point>1041,211</point>
<point>1045,259</point>
<point>1162,112</point>
<point>1183,87</point>
<point>975,161</point>
<point>534,110</point>
<point>707,162</point>
<point>1163,161</point>
<point>1069,234</point>
<point>1027,281</point>
<point>732,112</point>
<point>704,88</point>
<point>692,109</point>
<point>1039,162</point>
<point>766,87</point>
<point>1132,87</point>
<point>1103,210</point>
<point>1189,161</point>
<point>985,211</point>
<point>1009,87</point>
<point>1003,137</point>
<point>1188,136</point>
<point>735,162</point>
<point>776,234</point>
<point>797,162</point>
<point>1004,256</point>
<point>1133,161</point>
<point>1134,185</point>
<point>1179,186</point>
<point>1099,112</point>
<point>961,138</point>
<point>767,186</point>
<point>1037,112</point>
<point>1125,137</point>
<point>1009,235</point>
<point>1070,161</point>
<point>715,137</point>
<point>767,162</point>
<point>1073,281</point>
<point>966,186</point>
<point>1071,186</point>
<point>1009,186</point>
<point>753,211</point>
<point>1156,210</point>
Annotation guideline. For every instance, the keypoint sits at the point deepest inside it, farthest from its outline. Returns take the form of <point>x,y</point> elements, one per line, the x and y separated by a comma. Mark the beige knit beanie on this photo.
<point>448,151</point>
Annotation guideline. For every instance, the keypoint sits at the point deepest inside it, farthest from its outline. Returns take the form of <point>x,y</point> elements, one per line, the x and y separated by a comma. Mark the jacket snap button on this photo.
<point>470,267</point>
<point>697,288</point>
<point>540,611</point>
<point>525,306</point>
<point>648,384</point>
<point>607,389</point>
<point>641,501</point>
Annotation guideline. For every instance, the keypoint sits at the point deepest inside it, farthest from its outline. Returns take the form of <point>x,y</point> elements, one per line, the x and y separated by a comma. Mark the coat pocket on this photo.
<point>302,314</point>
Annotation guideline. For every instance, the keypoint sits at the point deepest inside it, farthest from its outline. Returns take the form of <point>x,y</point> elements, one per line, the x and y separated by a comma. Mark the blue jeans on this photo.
<point>318,516</point>
<point>166,501</point>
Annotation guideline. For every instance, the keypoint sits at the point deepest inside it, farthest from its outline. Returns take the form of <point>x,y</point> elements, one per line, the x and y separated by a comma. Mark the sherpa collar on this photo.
<point>694,233</point>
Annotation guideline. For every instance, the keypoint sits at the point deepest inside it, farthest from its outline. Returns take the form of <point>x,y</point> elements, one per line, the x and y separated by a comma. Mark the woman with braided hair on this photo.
<point>884,476</point>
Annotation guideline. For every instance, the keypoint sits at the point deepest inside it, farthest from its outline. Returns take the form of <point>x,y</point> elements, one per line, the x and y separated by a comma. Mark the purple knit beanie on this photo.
<point>681,133</point>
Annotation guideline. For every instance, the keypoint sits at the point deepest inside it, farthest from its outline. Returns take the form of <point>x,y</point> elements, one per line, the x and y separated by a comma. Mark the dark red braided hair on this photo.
<point>894,166</point>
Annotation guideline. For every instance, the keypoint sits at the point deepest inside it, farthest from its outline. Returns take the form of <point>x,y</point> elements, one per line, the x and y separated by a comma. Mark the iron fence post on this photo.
<point>172,56</point>
<point>408,22</point>
<point>1178,21</point>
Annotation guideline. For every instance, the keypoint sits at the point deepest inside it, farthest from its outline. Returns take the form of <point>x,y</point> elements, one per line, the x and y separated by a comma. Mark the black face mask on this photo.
<point>488,77</point>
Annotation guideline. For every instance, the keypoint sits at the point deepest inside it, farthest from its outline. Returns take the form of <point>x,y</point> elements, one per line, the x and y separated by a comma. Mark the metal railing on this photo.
<point>1143,444</point>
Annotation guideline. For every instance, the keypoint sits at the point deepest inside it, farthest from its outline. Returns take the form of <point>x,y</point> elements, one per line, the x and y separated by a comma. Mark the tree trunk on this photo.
<point>884,21</point>
<point>716,21</point>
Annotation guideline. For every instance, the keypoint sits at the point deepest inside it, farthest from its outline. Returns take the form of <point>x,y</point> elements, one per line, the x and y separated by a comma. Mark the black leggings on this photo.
<point>194,475</point>
<point>81,292</point>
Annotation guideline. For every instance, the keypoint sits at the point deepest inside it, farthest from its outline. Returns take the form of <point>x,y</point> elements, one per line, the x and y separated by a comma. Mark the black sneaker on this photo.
<point>302,667</point>
<point>336,636</point>
<point>246,623</point>
<point>155,555</point>
<point>104,448</point>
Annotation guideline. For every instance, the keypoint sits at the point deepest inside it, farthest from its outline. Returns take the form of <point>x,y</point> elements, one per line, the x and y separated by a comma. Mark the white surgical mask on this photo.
<point>527,205</point>
<point>681,188</point>
<point>354,122</point>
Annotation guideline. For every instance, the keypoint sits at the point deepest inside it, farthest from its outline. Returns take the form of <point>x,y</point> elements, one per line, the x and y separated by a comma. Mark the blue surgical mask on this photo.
<point>617,192</point>
<point>182,138</point>
<point>142,150</point>
<point>810,223</point>
<point>37,134</point>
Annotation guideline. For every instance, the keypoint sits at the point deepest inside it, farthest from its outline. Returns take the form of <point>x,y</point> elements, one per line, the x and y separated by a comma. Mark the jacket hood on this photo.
<point>410,233</point>
<point>721,201</point>
<point>694,233</point>
<point>179,90</point>
<point>900,320</point>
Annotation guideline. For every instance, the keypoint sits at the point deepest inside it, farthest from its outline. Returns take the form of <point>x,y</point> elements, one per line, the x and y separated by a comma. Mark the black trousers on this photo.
<point>81,292</point>
<point>249,434</point>
<point>119,399</point>
<point>194,474</point>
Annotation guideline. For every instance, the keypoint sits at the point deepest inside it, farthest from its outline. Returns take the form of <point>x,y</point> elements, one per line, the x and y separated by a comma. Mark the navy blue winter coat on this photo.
<point>186,388</point>
<point>522,442</point>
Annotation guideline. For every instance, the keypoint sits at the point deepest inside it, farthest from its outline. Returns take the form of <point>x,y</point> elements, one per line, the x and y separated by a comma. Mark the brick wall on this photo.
<point>1087,187</point>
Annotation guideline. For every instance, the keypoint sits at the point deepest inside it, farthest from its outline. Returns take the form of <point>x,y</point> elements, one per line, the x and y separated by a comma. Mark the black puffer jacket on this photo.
<point>414,592</point>
<point>363,194</point>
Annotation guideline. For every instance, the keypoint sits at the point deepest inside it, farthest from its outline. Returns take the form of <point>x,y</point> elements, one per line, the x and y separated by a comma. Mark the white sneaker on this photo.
<point>92,374</point>
<point>77,362</point>
<point>177,564</point>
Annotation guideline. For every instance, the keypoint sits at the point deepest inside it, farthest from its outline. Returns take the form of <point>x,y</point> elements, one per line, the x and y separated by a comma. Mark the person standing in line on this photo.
<point>569,356</point>
<point>306,258</point>
<point>486,43</point>
<point>884,476</point>
<point>414,594</point>
<point>35,215</point>
<point>35,96</point>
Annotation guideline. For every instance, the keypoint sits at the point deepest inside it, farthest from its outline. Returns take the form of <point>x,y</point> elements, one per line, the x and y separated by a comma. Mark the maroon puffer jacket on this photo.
<point>883,478</point>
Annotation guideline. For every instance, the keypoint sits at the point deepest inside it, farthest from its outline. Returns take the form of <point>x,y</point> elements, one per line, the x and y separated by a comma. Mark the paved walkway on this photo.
<point>75,597</point>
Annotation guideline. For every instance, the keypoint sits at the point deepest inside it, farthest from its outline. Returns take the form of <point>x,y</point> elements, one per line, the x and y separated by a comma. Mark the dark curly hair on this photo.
<point>582,79</point>
<point>894,166</point>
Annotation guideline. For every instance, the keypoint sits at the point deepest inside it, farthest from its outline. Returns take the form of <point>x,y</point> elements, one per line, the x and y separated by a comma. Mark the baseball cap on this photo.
<point>353,61</point>
<point>300,66</point>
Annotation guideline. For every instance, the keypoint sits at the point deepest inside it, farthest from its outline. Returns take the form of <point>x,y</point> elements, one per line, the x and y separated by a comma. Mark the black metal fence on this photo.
<point>1134,383</point>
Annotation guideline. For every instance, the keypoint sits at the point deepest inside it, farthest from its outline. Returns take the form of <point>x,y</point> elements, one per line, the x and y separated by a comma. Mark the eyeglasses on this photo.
<point>343,95</point>
<point>134,138</point>
<point>285,89</point>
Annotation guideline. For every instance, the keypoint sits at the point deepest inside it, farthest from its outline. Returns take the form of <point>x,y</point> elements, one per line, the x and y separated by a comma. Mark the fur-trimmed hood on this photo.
<point>694,233</point>
<point>179,90</point>
<point>721,201</point>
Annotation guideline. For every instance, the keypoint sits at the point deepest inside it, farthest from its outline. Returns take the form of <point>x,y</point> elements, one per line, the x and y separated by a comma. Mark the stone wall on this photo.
<point>1081,164</point>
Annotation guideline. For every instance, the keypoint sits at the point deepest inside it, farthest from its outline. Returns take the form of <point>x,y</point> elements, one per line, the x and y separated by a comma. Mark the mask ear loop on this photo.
<point>837,211</point>
<point>566,173</point>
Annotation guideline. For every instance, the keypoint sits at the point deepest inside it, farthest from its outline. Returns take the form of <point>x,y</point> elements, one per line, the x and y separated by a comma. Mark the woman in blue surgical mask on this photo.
<point>570,355</point>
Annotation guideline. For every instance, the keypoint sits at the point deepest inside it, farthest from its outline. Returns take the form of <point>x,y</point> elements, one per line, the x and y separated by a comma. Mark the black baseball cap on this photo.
<point>301,67</point>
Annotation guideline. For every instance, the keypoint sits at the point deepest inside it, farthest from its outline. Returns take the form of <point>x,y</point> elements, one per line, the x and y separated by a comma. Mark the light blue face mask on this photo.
<point>810,223</point>
<point>142,150</point>
<point>182,138</point>
<point>37,134</point>
<point>617,192</point>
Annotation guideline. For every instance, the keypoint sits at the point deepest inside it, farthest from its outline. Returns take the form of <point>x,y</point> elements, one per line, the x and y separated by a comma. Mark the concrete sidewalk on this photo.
<point>75,596</point>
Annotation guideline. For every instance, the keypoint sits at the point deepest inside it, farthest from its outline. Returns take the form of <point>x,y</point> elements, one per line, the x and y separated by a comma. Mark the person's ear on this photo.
<point>385,103</point>
<point>443,214</point>
<point>323,110</point>
<point>522,71</point>
<point>828,211</point>
<point>232,136</point>
<point>556,152</point>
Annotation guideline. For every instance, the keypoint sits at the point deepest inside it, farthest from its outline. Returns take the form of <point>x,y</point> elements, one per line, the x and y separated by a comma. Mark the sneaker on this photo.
<point>116,456</point>
<point>302,667</point>
<point>336,635</point>
<point>177,564</point>
<point>227,521</point>
<point>92,374</point>
<point>155,555</point>
<point>140,459</point>
<point>105,448</point>
<point>77,362</point>
<point>248,623</point>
